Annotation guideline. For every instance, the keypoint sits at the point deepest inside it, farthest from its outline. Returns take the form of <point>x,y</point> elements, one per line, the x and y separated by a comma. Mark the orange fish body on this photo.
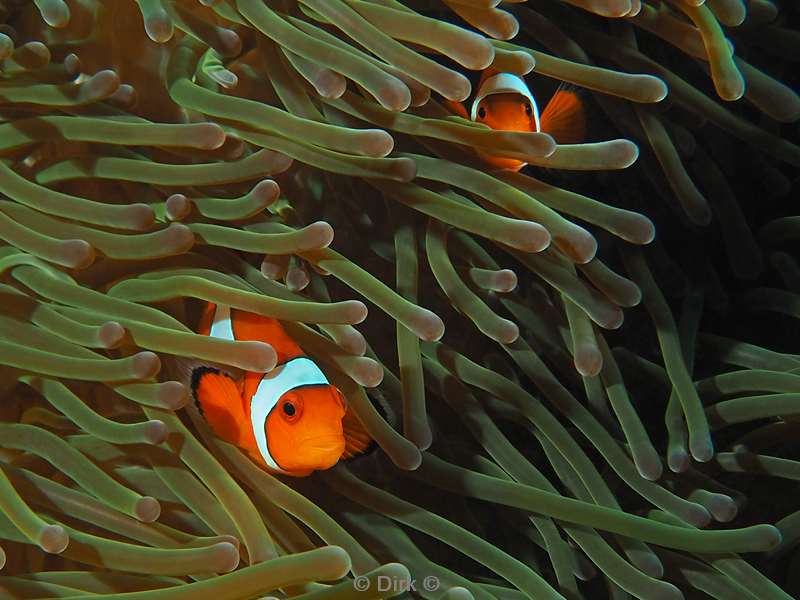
<point>505,102</point>
<point>289,420</point>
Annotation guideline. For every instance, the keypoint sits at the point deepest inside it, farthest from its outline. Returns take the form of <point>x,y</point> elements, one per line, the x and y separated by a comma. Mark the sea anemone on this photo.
<point>158,153</point>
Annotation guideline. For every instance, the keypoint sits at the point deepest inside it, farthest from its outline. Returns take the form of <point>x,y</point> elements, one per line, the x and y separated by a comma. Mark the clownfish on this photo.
<point>291,420</point>
<point>504,101</point>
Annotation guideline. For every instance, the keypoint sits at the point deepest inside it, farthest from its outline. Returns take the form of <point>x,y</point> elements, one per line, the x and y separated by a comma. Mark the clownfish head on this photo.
<point>504,101</point>
<point>304,430</point>
<point>296,416</point>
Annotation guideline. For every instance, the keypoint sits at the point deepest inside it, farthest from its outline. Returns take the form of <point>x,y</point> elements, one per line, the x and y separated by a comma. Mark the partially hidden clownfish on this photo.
<point>504,101</point>
<point>290,420</point>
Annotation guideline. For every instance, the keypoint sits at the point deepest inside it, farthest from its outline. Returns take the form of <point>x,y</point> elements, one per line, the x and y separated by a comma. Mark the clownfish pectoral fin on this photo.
<point>457,108</point>
<point>220,401</point>
<point>564,117</point>
<point>357,440</point>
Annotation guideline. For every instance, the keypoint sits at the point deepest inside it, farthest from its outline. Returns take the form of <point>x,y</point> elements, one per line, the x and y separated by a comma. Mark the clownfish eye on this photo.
<point>528,109</point>
<point>291,407</point>
<point>482,112</point>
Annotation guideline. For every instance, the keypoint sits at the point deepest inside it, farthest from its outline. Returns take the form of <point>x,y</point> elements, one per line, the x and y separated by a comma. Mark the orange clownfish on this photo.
<point>290,420</point>
<point>504,101</point>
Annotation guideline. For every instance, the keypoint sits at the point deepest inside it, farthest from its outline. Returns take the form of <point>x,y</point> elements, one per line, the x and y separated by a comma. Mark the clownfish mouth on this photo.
<point>323,444</point>
<point>320,453</point>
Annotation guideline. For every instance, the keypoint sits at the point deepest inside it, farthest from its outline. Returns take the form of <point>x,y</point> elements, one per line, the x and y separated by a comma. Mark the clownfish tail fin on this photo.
<point>564,117</point>
<point>219,401</point>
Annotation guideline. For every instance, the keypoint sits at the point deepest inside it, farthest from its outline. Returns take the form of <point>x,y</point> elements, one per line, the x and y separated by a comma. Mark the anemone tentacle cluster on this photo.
<point>528,350</point>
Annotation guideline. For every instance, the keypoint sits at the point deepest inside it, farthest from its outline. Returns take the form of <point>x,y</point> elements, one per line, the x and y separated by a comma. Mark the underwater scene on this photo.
<point>439,299</point>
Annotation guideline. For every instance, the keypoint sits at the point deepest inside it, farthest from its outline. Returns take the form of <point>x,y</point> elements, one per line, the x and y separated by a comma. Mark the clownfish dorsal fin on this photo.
<point>219,398</point>
<point>207,318</point>
<point>228,323</point>
<point>254,327</point>
<point>564,117</point>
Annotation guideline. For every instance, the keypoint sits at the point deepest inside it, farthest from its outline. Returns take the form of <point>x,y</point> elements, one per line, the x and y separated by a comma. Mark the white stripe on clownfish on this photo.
<point>221,325</point>
<point>505,83</point>
<point>296,373</point>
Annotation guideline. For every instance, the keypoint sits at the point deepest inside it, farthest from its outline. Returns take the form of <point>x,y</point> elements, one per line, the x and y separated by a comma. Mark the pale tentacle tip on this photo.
<point>145,365</point>
<point>159,27</point>
<point>410,459</point>
<point>367,372</point>
<point>377,142</point>
<point>262,357</point>
<point>177,207</point>
<point>660,89</point>
<point>625,153</point>
<point>101,85</point>
<point>723,508</point>
<point>72,64</point>
<point>649,564</point>
<point>766,537</point>
<point>297,279</point>
<point>420,435</point>
<point>173,394</point>
<point>506,281</point>
<point>210,135</point>
<point>649,467</point>
<point>428,326</point>
<point>226,556</point>
<point>266,191</point>
<point>230,42</point>
<point>140,216</point>
<point>702,450</point>
<point>317,235</point>
<point>338,562</point>
<point>457,593</point>
<point>356,311</point>
<point>613,320</point>
<point>147,509</point>
<point>76,254</point>
<point>53,539</point>
<point>460,90</point>
<point>110,335</point>
<point>125,96</point>
<point>529,237</point>
<point>404,169</point>
<point>588,360</point>
<point>229,539</point>
<point>180,238</point>
<point>678,460</point>
<point>155,431</point>
<point>394,95</point>
<point>39,49</point>
<point>698,516</point>
<point>507,332</point>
